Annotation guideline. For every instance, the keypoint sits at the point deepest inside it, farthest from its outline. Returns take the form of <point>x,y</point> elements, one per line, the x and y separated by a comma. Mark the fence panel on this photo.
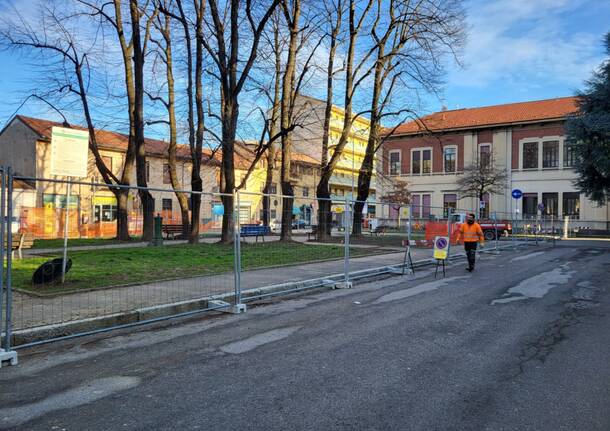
<point>299,256</point>
<point>118,281</point>
<point>111,281</point>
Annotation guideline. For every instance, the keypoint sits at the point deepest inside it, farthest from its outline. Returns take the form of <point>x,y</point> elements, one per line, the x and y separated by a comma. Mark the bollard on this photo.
<point>158,234</point>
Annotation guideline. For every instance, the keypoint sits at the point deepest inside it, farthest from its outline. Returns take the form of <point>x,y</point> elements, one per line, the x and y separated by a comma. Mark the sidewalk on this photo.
<point>30,311</point>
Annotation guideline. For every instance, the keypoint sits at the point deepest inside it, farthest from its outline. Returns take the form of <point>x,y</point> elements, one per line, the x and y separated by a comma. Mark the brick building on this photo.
<point>528,139</point>
<point>25,146</point>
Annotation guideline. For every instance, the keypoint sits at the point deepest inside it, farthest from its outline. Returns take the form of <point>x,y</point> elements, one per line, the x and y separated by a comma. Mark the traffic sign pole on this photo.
<point>516,194</point>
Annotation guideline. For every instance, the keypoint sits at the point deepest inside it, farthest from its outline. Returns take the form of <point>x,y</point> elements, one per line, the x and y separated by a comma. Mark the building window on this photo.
<point>416,162</point>
<point>449,203</point>
<point>305,191</point>
<point>104,213</point>
<point>166,204</point>
<point>569,154</point>
<point>108,162</point>
<point>395,162</point>
<point>273,214</point>
<point>485,155</point>
<point>571,205</point>
<point>426,161</point>
<point>530,155</point>
<point>550,154</point>
<point>166,178</point>
<point>147,171</point>
<point>450,157</point>
<point>421,162</point>
<point>273,188</point>
<point>551,204</point>
<point>530,205</point>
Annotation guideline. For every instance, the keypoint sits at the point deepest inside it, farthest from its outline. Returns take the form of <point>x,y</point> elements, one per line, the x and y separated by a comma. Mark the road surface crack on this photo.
<point>580,303</point>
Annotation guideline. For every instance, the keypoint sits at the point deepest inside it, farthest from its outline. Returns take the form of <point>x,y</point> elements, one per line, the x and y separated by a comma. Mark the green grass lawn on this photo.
<point>117,266</point>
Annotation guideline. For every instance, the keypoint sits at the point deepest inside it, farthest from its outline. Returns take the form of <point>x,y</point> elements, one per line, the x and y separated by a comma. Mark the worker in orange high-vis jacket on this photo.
<point>471,233</point>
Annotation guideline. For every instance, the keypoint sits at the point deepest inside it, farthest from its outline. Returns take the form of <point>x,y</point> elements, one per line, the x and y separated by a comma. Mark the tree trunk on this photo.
<point>196,150</point>
<point>323,189</point>
<point>122,219</point>
<point>173,135</point>
<point>148,203</point>
<point>288,96</point>
<point>229,125</point>
<point>365,174</point>
<point>325,216</point>
<point>273,130</point>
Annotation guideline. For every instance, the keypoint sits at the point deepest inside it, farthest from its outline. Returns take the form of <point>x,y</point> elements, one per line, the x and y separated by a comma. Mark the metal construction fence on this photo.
<point>65,272</point>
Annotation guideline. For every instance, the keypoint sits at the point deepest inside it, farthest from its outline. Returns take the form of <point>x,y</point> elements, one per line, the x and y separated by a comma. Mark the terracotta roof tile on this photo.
<point>304,158</point>
<point>109,140</point>
<point>523,112</point>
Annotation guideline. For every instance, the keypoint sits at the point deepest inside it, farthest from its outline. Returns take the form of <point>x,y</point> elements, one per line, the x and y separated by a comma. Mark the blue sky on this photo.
<point>525,50</point>
<point>517,50</point>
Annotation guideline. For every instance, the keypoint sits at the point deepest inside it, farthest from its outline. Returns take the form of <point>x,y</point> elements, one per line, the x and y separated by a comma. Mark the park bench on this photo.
<point>379,230</point>
<point>173,230</point>
<point>254,230</point>
<point>314,232</point>
<point>20,242</point>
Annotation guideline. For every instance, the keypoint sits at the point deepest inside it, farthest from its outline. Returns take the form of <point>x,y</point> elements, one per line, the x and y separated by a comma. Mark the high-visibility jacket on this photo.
<point>471,232</point>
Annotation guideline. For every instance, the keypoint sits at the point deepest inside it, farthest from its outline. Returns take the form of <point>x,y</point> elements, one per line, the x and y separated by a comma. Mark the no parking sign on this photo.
<point>441,247</point>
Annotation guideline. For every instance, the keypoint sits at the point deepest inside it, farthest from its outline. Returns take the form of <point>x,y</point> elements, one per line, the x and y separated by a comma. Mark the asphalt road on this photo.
<point>523,343</point>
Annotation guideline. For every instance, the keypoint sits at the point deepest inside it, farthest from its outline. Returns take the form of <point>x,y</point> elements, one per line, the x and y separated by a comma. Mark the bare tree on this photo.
<point>190,16</point>
<point>277,47</point>
<point>409,38</point>
<point>334,11</point>
<point>138,51</point>
<point>399,194</point>
<point>51,36</point>
<point>302,27</point>
<point>480,178</point>
<point>165,53</point>
<point>133,46</point>
<point>223,46</point>
<point>282,118</point>
<point>355,74</point>
<point>292,15</point>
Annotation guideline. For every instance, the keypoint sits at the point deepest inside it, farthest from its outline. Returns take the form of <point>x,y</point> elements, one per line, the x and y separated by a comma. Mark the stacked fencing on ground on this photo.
<point>109,282</point>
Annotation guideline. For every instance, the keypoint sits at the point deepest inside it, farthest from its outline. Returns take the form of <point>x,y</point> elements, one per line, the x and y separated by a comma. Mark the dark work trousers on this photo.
<point>471,251</point>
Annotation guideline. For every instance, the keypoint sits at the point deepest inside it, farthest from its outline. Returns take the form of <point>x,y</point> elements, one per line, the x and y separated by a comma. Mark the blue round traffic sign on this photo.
<point>441,243</point>
<point>517,194</point>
